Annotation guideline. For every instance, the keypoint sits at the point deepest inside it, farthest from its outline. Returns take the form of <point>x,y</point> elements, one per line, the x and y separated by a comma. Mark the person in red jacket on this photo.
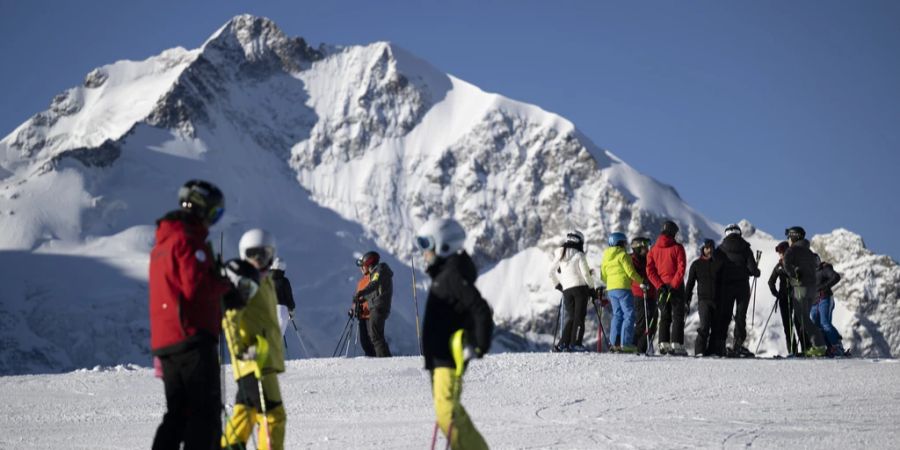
<point>645,308</point>
<point>185,295</point>
<point>665,269</point>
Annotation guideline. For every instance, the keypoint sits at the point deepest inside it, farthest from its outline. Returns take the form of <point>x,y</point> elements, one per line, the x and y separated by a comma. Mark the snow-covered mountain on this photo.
<point>336,150</point>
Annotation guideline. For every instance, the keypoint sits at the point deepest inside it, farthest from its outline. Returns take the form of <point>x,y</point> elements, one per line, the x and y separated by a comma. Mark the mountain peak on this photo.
<point>251,39</point>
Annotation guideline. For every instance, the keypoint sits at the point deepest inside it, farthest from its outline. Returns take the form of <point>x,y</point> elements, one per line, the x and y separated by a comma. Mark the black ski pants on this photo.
<point>575,300</point>
<point>642,320</point>
<point>671,316</point>
<point>790,338</point>
<point>375,329</point>
<point>708,333</point>
<point>193,400</point>
<point>735,297</point>
<point>811,335</point>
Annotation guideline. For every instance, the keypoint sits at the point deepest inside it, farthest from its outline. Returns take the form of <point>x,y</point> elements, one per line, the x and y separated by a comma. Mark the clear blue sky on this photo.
<point>782,112</point>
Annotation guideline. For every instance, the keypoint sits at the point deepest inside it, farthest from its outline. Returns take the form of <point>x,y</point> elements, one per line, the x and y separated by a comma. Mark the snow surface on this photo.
<point>520,401</point>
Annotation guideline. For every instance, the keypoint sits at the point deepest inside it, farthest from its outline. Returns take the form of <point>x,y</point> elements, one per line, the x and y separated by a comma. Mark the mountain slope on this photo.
<point>336,150</point>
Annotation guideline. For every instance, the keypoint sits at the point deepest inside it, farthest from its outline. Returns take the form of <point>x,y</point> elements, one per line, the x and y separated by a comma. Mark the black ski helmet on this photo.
<point>203,199</point>
<point>669,228</point>
<point>639,243</point>
<point>795,233</point>
<point>368,259</point>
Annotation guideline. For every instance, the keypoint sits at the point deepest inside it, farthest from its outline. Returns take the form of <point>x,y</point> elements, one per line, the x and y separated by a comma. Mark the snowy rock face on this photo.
<point>335,149</point>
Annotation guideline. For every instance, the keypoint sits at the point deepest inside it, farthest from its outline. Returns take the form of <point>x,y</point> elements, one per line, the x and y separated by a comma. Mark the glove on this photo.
<point>471,352</point>
<point>558,287</point>
<point>351,312</point>
<point>600,291</point>
<point>645,287</point>
<point>291,314</point>
<point>664,291</point>
<point>756,273</point>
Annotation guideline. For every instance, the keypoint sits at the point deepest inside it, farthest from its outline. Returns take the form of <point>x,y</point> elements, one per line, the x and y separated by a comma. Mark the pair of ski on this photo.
<point>602,336</point>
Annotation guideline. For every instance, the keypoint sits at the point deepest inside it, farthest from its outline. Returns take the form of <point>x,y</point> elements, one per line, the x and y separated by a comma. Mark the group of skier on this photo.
<point>195,297</point>
<point>647,289</point>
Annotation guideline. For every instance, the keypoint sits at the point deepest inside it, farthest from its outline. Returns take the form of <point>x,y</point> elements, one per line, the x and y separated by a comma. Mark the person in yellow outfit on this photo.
<point>257,354</point>
<point>454,304</point>
<point>617,272</point>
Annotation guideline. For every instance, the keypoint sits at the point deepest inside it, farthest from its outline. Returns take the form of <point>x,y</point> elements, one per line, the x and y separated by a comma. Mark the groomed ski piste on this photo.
<point>517,400</point>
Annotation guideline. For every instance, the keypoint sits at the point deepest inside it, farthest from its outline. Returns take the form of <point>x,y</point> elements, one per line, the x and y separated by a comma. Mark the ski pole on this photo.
<point>302,345</point>
<point>753,315</point>
<point>416,302</point>
<point>342,336</point>
<point>597,308</point>
<point>774,307</point>
<point>646,321</point>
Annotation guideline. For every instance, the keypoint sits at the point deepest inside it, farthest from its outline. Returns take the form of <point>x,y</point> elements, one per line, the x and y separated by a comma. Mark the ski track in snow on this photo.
<point>521,401</point>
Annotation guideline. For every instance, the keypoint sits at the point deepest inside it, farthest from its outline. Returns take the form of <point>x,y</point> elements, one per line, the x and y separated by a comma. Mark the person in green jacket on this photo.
<point>617,273</point>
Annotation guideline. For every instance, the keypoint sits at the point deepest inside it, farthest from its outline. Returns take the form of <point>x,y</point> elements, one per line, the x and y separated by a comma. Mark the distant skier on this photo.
<point>738,265</point>
<point>376,294</point>
<point>779,287</point>
<point>185,297</point>
<point>648,316</point>
<point>617,273</point>
<point>257,350</point>
<point>286,305</point>
<point>704,273</point>
<point>800,267</point>
<point>827,278</point>
<point>665,269</point>
<point>453,304</point>
<point>571,274</point>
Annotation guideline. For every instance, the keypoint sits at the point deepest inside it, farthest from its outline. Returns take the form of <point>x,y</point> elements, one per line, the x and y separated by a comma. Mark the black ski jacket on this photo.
<point>780,277</point>
<point>826,278</point>
<point>283,289</point>
<point>453,303</point>
<point>380,288</point>
<point>738,263</point>
<point>704,273</point>
<point>800,264</point>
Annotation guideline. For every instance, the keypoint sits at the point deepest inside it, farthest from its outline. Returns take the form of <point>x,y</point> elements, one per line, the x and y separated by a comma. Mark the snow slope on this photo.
<point>518,401</point>
<point>336,150</point>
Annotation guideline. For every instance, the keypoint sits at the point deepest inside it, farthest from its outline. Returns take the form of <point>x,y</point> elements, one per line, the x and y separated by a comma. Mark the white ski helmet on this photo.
<point>279,264</point>
<point>444,236</point>
<point>258,244</point>
<point>732,228</point>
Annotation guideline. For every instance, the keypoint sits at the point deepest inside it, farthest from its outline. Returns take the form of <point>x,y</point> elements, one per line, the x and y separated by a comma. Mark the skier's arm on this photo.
<point>288,294</point>
<point>629,269</point>
<point>773,279</point>
<point>751,264</point>
<point>652,274</point>
<point>680,265</point>
<point>197,273</point>
<point>831,278</point>
<point>586,271</point>
<point>691,281</point>
<point>379,282</point>
<point>470,302</point>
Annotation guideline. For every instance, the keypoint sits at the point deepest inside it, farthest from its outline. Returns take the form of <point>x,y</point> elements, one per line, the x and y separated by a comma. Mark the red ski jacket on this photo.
<point>666,263</point>
<point>185,290</point>
<point>640,264</point>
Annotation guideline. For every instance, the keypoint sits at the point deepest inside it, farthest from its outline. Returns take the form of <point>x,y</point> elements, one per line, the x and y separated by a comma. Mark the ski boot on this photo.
<point>578,348</point>
<point>743,352</point>
<point>630,349</point>
<point>816,352</point>
<point>559,348</point>
<point>664,348</point>
<point>678,350</point>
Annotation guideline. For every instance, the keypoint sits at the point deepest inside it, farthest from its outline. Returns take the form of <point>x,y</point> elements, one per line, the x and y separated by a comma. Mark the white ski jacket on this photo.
<point>570,269</point>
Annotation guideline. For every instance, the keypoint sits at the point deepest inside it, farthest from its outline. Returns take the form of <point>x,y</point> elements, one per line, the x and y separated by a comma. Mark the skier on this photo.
<point>257,353</point>
<point>377,296</point>
<point>778,286</point>
<point>738,265</point>
<point>648,316</point>
<point>617,273</point>
<point>453,304</point>
<point>185,296</point>
<point>284,292</point>
<point>571,274</point>
<point>704,273</point>
<point>665,269</point>
<point>826,278</point>
<point>800,266</point>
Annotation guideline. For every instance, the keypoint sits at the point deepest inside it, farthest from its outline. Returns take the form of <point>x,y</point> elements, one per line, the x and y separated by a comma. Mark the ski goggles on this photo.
<point>425,243</point>
<point>262,255</point>
<point>216,214</point>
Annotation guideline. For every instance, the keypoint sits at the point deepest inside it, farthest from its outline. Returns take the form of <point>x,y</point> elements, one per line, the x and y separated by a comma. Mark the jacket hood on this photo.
<point>803,243</point>
<point>460,262</point>
<point>180,220</point>
<point>665,241</point>
<point>733,243</point>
